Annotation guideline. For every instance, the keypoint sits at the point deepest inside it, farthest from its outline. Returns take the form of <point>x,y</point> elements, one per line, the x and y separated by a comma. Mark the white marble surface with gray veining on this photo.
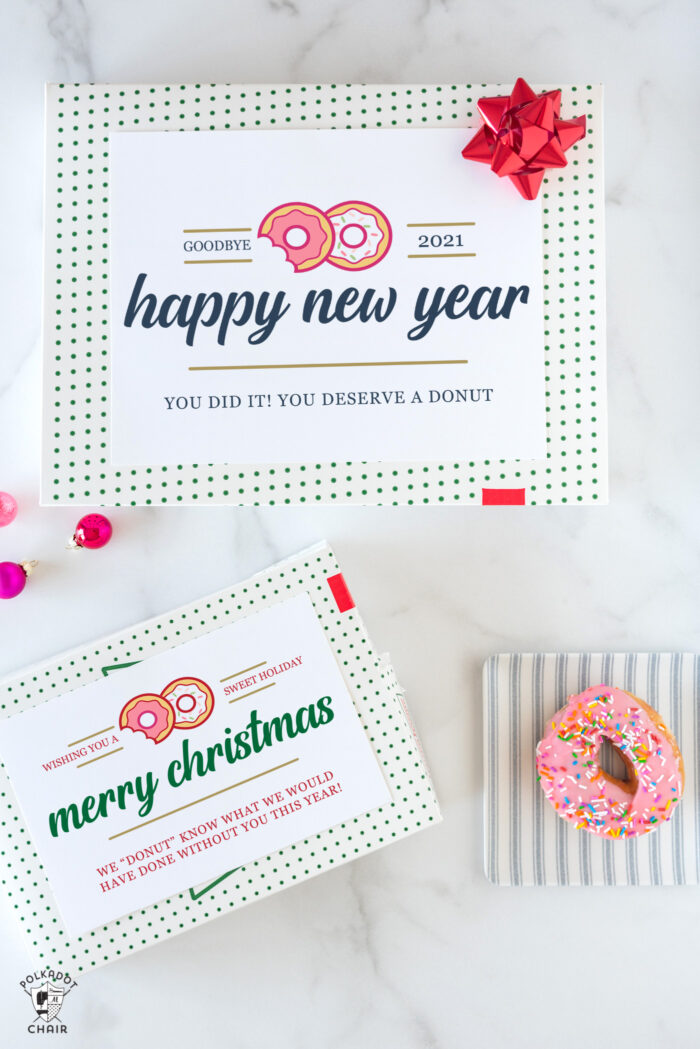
<point>409,948</point>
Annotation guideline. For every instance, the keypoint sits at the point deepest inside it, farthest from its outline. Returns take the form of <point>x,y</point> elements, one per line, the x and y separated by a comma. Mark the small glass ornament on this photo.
<point>91,532</point>
<point>13,577</point>
<point>8,509</point>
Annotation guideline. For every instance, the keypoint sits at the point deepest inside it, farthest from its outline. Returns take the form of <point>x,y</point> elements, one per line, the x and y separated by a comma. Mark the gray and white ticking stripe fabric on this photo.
<point>525,842</point>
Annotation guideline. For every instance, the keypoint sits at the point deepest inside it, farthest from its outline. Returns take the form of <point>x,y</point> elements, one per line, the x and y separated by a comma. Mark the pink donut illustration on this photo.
<point>149,714</point>
<point>362,235</point>
<point>304,233</point>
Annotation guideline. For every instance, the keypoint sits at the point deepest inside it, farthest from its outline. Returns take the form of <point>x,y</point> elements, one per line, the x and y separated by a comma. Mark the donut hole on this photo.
<point>147,719</point>
<point>616,767</point>
<point>185,704</point>
<point>296,237</point>
<point>353,235</point>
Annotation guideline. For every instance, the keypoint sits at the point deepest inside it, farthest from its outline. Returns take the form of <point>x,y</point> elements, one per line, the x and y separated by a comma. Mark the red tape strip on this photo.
<point>503,497</point>
<point>339,589</point>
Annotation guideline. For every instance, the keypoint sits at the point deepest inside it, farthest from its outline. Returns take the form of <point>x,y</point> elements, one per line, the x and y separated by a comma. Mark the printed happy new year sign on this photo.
<point>194,762</point>
<point>318,296</point>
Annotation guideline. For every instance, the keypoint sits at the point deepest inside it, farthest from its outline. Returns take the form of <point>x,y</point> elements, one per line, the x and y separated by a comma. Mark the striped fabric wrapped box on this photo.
<point>525,842</point>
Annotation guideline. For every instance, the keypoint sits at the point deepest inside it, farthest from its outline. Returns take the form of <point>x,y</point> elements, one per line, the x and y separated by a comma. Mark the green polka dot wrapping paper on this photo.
<point>378,701</point>
<point>77,466</point>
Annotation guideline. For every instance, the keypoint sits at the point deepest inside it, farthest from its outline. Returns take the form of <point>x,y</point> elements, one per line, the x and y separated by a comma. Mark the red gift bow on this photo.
<point>522,136</point>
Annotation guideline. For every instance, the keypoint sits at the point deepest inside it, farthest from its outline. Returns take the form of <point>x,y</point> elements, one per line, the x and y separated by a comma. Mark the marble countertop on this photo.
<point>410,948</point>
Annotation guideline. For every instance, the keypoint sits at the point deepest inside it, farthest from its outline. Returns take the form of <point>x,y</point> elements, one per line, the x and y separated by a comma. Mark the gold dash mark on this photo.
<point>212,262</point>
<point>447,255</point>
<point>222,229</point>
<point>426,225</point>
<point>91,736</point>
<point>240,673</point>
<point>331,364</point>
<point>244,695</point>
<point>99,757</point>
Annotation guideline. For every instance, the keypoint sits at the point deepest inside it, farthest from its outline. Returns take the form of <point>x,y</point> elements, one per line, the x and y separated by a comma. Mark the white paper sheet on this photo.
<point>301,764</point>
<point>185,212</point>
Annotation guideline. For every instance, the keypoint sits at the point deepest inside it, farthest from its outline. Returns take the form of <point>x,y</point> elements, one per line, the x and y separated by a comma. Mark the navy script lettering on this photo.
<point>265,309</point>
<point>208,309</point>
<point>484,302</point>
<point>327,310</point>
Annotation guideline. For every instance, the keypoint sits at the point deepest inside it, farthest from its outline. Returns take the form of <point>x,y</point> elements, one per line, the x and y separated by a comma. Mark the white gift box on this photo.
<point>378,702</point>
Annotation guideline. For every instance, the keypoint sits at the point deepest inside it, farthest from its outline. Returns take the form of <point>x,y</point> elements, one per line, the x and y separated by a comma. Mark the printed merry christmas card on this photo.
<point>236,748</point>
<point>302,285</point>
<point>208,764</point>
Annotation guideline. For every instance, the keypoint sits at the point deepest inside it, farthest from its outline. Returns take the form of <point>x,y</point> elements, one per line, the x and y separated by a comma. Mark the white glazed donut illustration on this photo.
<point>362,235</point>
<point>191,699</point>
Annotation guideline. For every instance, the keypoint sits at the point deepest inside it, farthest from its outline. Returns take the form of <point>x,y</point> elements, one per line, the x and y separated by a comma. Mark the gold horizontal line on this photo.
<point>419,225</point>
<point>75,742</point>
<point>144,823</point>
<point>99,757</point>
<point>222,229</point>
<point>332,364</point>
<point>211,262</point>
<point>449,255</point>
<point>240,673</point>
<point>244,695</point>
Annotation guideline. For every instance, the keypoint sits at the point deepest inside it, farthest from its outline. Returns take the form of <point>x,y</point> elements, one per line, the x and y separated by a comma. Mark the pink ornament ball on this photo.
<point>8,509</point>
<point>92,532</point>
<point>13,579</point>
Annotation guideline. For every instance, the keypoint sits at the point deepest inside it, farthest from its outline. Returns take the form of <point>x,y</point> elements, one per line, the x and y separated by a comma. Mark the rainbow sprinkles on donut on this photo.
<point>571,776</point>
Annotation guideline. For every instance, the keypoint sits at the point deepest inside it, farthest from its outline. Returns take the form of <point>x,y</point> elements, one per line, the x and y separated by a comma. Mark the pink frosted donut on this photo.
<point>304,233</point>
<point>191,699</point>
<point>593,800</point>
<point>149,714</point>
<point>362,235</point>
